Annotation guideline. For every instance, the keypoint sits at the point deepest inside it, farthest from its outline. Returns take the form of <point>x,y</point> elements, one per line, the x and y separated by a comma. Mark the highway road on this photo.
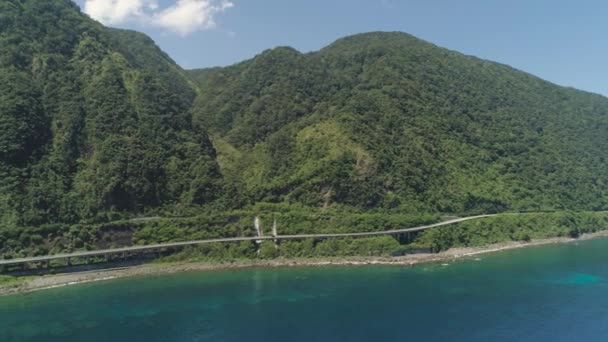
<point>156,247</point>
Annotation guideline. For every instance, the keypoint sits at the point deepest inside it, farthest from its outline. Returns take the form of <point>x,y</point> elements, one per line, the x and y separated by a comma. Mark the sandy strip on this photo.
<point>68,279</point>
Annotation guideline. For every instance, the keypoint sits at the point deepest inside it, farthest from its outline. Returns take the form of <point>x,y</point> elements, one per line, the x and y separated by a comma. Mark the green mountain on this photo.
<point>98,124</point>
<point>385,120</point>
<point>93,121</point>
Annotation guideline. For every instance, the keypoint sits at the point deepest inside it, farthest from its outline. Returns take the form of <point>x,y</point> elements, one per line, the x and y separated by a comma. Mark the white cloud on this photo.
<point>182,17</point>
<point>187,16</point>
<point>115,11</point>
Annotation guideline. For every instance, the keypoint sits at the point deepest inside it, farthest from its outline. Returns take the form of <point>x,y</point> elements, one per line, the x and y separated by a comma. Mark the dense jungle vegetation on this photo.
<point>375,131</point>
<point>385,120</point>
<point>94,122</point>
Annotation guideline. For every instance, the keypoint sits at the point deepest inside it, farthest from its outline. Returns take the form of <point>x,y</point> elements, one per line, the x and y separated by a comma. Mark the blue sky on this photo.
<point>561,41</point>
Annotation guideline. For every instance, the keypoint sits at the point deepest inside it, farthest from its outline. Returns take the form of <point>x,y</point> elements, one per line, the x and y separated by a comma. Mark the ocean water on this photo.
<point>548,293</point>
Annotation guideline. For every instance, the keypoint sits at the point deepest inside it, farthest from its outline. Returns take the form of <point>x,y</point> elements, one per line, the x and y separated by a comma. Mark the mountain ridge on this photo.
<point>401,74</point>
<point>397,33</point>
<point>100,124</point>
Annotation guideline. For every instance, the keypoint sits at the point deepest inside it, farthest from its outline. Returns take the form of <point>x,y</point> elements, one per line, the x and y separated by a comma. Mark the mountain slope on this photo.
<point>93,121</point>
<point>385,120</point>
<point>99,123</point>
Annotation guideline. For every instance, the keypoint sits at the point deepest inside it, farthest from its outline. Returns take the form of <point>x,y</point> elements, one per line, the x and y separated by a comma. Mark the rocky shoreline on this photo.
<point>68,279</point>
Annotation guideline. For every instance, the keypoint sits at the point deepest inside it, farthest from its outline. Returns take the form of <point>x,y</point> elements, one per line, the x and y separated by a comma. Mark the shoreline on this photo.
<point>69,279</point>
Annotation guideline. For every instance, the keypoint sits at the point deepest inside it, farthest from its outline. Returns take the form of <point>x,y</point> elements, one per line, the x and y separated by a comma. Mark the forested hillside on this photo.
<point>98,124</point>
<point>93,121</point>
<point>385,120</point>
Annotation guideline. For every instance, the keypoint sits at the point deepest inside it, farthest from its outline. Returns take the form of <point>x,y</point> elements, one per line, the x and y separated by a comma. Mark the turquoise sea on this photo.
<point>548,293</point>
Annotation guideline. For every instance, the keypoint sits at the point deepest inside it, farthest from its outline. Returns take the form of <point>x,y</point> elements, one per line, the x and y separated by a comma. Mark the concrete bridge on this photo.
<point>126,252</point>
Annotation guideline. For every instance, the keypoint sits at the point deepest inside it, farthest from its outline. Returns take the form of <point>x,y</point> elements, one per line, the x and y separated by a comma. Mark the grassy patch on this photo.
<point>10,280</point>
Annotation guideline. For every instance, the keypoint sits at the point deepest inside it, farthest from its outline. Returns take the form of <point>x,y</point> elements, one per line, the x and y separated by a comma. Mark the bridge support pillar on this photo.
<point>68,261</point>
<point>2,269</point>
